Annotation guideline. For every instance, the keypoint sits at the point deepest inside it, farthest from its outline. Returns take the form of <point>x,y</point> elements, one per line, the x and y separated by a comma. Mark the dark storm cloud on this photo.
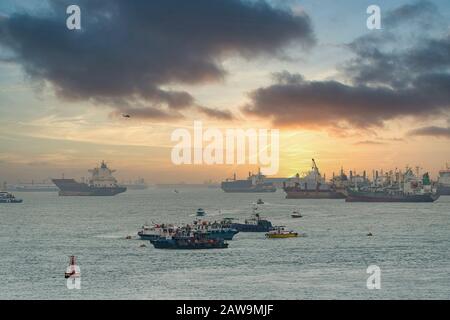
<point>421,11</point>
<point>385,81</point>
<point>131,49</point>
<point>432,131</point>
<point>319,103</point>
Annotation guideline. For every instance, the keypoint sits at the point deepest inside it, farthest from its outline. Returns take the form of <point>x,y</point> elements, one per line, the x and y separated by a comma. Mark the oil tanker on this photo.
<point>102,183</point>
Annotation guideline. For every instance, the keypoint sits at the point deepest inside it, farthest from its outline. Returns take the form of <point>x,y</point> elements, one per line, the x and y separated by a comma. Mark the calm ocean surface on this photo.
<point>410,243</point>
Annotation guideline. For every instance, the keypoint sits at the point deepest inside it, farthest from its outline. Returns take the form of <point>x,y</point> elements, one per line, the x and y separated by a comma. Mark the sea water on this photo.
<point>410,245</point>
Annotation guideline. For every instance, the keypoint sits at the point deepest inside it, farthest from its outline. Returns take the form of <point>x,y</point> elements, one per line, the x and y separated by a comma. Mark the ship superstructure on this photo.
<point>139,184</point>
<point>444,181</point>
<point>311,185</point>
<point>396,187</point>
<point>101,183</point>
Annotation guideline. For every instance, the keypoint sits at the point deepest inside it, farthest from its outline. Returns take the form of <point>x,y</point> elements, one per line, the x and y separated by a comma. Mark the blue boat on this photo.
<point>221,233</point>
<point>6,197</point>
<point>189,242</point>
<point>255,224</point>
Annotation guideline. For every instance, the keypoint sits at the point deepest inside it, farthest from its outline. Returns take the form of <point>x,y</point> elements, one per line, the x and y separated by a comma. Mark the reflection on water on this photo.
<point>410,244</point>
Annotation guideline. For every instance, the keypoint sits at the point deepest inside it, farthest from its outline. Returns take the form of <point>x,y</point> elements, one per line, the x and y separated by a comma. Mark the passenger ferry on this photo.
<point>6,197</point>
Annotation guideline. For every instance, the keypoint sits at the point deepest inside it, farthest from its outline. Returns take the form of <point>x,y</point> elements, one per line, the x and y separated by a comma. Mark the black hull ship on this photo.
<point>254,224</point>
<point>189,243</point>
<point>296,192</point>
<point>102,183</point>
<point>409,189</point>
<point>383,196</point>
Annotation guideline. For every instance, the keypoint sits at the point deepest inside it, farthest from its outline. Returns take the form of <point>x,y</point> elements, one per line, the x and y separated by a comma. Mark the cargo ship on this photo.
<point>444,182</point>
<point>409,189</point>
<point>139,184</point>
<point>43,186</point>
<point>254,183</point>
<point>311,186</point>
<point>102,183</point>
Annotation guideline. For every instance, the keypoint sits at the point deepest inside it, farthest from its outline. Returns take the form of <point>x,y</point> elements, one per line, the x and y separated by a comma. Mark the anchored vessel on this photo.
<point>213,230</point>
<point>444,181</point>
<point>206,229</point>
<point>102,183</point>
<point>408,189</point>
<point>156,231</point>
<point>190,241</point>
<point>254,183</point>
<point>200,212</point>
<point>139,184</point>
<point>254,224</point>
<point>312,186</point>
<point>6,197</point>
<point>33,187</point>
<point>296,214</point>
<point>280,232</point>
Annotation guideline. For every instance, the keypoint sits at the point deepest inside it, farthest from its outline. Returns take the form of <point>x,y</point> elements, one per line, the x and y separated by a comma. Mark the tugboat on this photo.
<point>6,197</point>
<point>281,232</point>
<point>296,214</point>
<point>200,212</point>
<point>190,242</point>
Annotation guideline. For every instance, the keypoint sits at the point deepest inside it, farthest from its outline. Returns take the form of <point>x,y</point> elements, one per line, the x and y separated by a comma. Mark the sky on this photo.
<point>338,92</point>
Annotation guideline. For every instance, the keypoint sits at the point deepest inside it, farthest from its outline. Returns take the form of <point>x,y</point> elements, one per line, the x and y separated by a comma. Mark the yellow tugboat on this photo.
<point>281,232</point>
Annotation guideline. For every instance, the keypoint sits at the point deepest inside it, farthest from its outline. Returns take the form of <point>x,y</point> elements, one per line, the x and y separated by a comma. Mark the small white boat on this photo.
<point>200,212</point>
<point>296,214</point>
